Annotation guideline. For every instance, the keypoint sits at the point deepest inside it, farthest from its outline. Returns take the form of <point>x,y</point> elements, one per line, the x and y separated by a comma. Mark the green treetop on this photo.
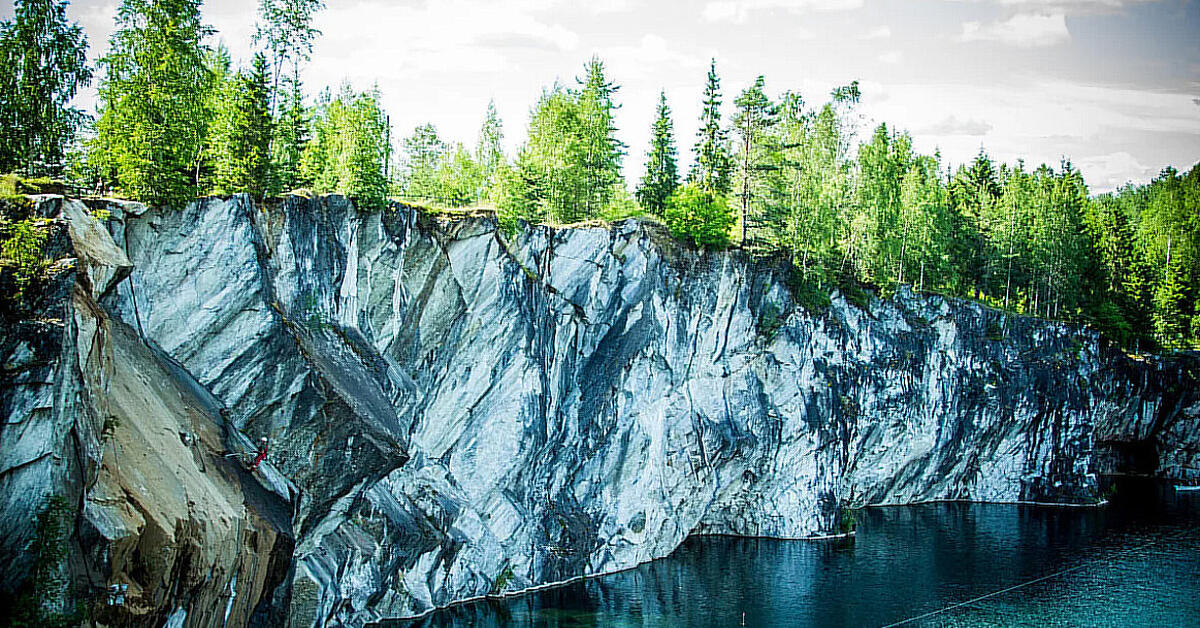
<point>152,100</point>
<point>43,62</point>
<point>712,164</point>
<point>601,151</point>
<point>489,152</point>
<point>661,177</point>
<point>754,121</point>
<point>240,132</point>
<point>422,152</point>
<point>349,148</point>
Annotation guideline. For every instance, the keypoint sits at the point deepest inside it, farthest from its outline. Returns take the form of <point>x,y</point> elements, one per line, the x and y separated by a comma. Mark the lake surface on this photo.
<point>1135,562</point>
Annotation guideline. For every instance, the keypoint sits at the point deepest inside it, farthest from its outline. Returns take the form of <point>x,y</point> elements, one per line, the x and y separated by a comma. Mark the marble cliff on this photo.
<point>456,411</point>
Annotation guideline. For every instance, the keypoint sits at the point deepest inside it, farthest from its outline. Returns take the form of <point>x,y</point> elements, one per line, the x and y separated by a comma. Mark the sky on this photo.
<point>1113,85</point>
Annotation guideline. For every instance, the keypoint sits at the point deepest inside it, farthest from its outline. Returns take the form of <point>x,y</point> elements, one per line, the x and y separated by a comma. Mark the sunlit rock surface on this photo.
<point>455,411</point>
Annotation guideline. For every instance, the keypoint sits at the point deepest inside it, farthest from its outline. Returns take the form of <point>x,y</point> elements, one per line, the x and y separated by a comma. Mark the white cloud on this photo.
<point>951,125</point>
<point>891,57</point>
<point>879,32</point>
<point>1074,7</point>
<point>1111,171</point>
<point>442,60</point>
<point>650,58</point>
<point>1069,7</point>
<point>740,10</point>
<point>1022,29</point>
<point>1042,121</point>
<point>610,6</point>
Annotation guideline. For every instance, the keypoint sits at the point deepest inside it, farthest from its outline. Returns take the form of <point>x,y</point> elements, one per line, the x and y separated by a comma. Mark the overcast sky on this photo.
<point>1112,84</point>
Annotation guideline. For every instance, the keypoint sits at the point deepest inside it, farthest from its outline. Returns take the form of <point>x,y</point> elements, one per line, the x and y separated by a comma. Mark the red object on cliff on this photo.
<point>262,454</point>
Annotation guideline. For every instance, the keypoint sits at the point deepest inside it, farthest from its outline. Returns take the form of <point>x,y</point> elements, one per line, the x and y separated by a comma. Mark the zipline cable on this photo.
<point>1024,584</point>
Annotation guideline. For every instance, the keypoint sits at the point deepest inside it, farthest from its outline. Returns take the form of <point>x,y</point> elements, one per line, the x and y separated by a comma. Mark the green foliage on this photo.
<point>808,294</point>
<point>21,253</point>
<point>753,122</point>
<point>290,135</point>
<point>661,177</point>
<point>622,205</point>
<point>451,176</point>
<point>502,580</point>
<point>713,164</point>
<point>847,522</point>
<point>514,199</point>
<point>423,151</point>
<point>12,185</point>
<point>770,319</point>
<point>153,117</point>
<point>43,63</point>
<point>854,292</point>
<point>238,143</point>
<point>457,177</point>
<point>489,154</point>
<point>349,148</point>
<point>601,151</point>
<point>46,604</point>
<point>699,216</point>
<point>570,166</point>
<point>286,34</point>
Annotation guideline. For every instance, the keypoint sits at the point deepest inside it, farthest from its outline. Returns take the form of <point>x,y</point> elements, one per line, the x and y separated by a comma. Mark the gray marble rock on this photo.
<point>456,411</point>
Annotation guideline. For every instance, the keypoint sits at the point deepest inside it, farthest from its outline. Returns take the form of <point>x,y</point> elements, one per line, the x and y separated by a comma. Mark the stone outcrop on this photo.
<point>456,411</point>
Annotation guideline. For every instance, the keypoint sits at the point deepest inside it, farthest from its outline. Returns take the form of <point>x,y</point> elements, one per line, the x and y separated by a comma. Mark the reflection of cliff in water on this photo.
<point>1134,562</point>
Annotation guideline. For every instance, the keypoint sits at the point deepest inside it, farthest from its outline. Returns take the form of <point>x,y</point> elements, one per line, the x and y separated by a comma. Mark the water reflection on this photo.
<point>1133,564</point>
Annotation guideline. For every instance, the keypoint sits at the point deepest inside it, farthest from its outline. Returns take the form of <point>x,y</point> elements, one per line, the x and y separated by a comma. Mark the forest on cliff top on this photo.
<point>774,173</point>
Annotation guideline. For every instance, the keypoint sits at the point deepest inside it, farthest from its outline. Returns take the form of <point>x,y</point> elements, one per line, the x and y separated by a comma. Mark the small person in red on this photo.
<point>262,454</point>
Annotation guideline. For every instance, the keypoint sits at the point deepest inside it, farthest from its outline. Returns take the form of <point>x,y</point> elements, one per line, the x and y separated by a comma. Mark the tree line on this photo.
<point>780,177</point>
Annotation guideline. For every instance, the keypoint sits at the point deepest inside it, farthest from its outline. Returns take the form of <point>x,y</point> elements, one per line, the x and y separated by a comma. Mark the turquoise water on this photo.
<point>1135,562</point>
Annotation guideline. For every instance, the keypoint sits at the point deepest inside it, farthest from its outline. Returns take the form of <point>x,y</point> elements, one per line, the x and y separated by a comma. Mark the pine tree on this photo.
<point>601,151</point>
<point>43,63</point>
<point>972,192</point>
<point>661,177</point>
<point>755,117</point>
<point>152,122</point>
<point>712,164</point>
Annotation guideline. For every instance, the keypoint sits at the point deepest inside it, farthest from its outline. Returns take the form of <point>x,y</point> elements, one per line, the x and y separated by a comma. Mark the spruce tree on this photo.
<point>601,151</point>
<point>661,178</point>
<point>289,137</point>
<point>43,63</point>
<point>712,161</point>
<point>240,133</point>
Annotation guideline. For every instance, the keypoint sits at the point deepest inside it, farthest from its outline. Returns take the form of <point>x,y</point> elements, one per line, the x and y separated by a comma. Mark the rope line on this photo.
<point>1028,583</point>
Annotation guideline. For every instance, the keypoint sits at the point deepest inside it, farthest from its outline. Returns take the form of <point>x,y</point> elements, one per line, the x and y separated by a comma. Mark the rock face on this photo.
<point>455,411</point>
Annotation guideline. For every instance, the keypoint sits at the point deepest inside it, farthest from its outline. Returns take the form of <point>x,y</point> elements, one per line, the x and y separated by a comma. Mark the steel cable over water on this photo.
<point>1014,587</point>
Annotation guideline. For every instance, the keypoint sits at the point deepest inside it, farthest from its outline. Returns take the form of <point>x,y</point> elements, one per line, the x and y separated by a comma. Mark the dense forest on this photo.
<point>780,176</point>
